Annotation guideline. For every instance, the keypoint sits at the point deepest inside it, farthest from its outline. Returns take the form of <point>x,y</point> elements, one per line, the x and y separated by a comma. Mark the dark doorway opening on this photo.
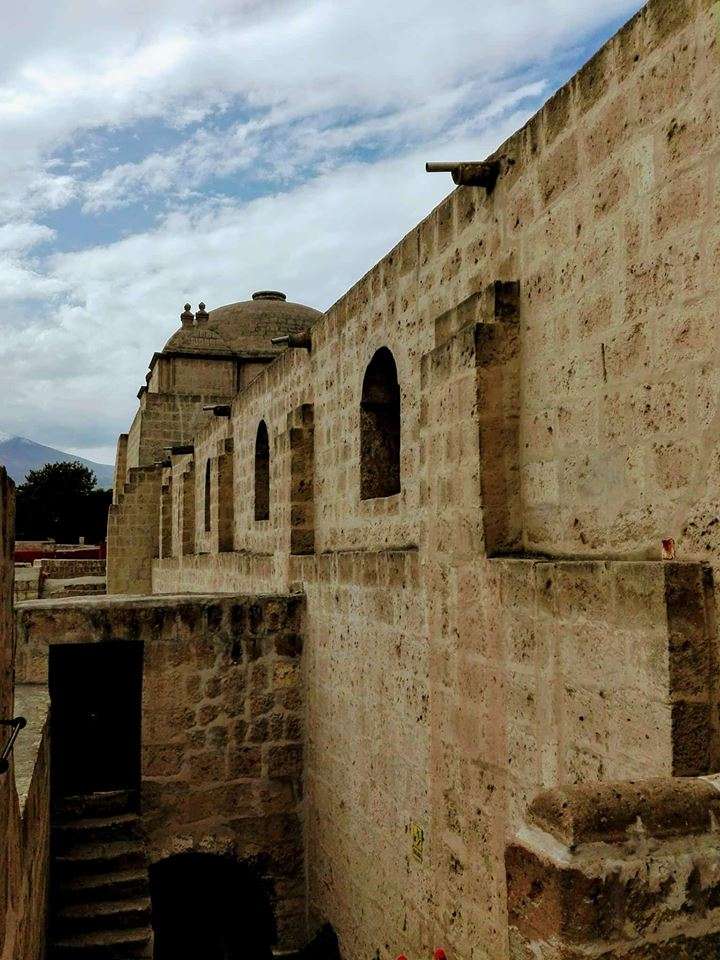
<point>96,701</point>
<point>210,907</point>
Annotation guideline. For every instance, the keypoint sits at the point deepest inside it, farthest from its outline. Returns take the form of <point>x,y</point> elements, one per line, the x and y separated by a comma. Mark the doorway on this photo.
<point>209,906</point>
<point>96,704</point>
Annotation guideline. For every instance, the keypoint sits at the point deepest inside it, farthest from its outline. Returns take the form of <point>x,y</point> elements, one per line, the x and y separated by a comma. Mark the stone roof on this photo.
<point>241,328</point>
<point>201,339</point>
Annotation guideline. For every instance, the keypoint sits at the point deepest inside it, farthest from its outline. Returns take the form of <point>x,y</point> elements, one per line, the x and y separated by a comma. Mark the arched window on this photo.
<point>262,473</point>
<point>208,512</point>
<point>380,428</point>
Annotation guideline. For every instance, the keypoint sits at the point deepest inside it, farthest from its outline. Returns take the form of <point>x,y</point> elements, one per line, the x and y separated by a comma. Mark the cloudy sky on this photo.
<point>158,151</point>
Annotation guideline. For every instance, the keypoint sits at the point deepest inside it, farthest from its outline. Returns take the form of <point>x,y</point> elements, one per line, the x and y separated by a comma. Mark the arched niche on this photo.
<point>380,428</point>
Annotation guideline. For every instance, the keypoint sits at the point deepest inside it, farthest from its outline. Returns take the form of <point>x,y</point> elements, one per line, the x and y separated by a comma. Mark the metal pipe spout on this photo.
<point>469,173</point>
<point>298,341</point>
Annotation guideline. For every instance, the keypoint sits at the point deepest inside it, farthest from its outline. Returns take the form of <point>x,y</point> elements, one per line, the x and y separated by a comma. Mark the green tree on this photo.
<point>61,502</point>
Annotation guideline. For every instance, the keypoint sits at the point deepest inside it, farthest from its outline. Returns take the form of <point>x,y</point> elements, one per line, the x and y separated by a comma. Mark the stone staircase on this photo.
<point>100,897</point>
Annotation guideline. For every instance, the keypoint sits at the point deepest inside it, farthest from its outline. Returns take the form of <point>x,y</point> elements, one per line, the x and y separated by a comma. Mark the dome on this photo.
<point>249,325</point>
<point>197,340</point>
<point>241,328</point>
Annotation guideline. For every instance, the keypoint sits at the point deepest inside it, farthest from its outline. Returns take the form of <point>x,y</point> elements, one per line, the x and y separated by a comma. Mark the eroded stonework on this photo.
<point>476,505</point>
<point>504,624</point>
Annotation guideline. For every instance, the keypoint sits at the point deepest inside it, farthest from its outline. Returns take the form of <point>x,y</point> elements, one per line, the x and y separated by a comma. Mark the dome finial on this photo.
<point>202,314</point>
<point>269,295</point>
<point>187,316</point>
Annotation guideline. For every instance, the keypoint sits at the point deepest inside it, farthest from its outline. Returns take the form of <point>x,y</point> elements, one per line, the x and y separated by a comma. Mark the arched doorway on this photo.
<point>208,907</point>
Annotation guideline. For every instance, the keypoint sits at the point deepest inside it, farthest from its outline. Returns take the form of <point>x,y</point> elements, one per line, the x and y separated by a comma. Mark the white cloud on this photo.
<point>309,82</point>
<point>22,235</point>
<point>90,65</point>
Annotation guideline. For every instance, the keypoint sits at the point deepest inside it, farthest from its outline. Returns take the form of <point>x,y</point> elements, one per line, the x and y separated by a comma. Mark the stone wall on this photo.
<point>29,853</point>
<point>166,419</point>
<point>27,582</point>
<point>221,724</point>
<point>69,578</point>
<point>218,376</point>
<point>121,457</point>
<point>24,788</point>
<point>556,359</point>
<point>600,472</point>
<point>621,870</point>
<point>66,569</point>
<point>133,532</point>
<point>8,826</point>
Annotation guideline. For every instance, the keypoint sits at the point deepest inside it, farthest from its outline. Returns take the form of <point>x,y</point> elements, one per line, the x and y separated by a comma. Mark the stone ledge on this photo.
<point>145,602</point>
<point>605,812</point>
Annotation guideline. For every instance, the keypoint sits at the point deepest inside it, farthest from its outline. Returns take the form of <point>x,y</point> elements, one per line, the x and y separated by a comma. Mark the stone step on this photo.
<point>101,804</point>
<point>102,915</point>
<point>99,858</point>
<point>104,886</point>
<point>102,945</point>
<point>67,833</point>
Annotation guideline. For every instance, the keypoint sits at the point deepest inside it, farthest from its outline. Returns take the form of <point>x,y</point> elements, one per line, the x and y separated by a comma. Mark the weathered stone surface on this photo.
<point>25,787</point>
<point>606,811</point>
<point>502,623</point>
<point>626,870</point>
<point>221,728</point>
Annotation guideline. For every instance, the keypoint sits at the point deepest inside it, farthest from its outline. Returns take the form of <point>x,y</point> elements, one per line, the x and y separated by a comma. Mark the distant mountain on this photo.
<point>18,455</point>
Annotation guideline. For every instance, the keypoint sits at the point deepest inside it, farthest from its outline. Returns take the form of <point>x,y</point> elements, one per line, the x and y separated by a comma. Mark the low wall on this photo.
<point>52,568</point>
<point>27,583</point>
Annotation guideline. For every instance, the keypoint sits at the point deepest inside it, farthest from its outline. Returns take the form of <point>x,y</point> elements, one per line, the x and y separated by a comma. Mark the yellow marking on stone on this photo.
<point>418,841</point>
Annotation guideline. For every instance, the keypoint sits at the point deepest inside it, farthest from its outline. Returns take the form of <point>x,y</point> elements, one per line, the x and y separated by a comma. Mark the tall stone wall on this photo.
<point>556,359</point>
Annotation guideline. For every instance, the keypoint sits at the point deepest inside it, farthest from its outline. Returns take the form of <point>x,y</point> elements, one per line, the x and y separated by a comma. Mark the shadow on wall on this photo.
<point>323,946</point>
<point>208,906</point>
<point>380,428</point>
